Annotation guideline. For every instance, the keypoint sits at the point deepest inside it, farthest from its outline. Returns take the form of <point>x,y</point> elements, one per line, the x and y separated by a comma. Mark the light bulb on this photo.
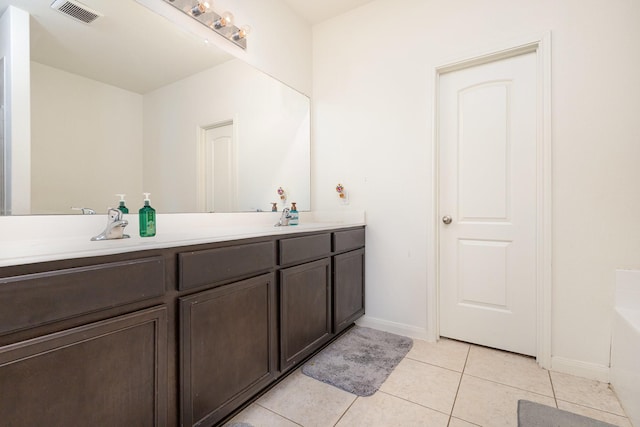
<point>225,19</point>
<point>242,33</point>
<point>200,8</point>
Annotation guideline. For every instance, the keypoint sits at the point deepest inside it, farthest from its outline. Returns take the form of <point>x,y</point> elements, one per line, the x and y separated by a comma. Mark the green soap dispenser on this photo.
<point>147,218</point>
<point>122,208</point>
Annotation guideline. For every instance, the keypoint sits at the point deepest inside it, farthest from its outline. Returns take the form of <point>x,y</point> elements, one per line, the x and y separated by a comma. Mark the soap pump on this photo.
<point>147,216</point>
<point>294,214</point>
<point>121,207</point>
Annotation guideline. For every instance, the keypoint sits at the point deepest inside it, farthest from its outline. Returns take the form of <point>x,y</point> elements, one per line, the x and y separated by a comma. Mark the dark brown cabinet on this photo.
<point>175,336</point>
<point>228,347</point>
<point>305,310</point>
<point>109,373</point>
<point>348,289</point>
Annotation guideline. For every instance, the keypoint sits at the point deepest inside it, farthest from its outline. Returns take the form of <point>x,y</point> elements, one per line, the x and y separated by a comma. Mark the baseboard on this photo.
<point>580,369</point>
<point>393,327</point>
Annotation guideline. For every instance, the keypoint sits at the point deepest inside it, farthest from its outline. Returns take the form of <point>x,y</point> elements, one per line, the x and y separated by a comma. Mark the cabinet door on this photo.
<point>228,347</point>
<point>305,310</point>
<point>348,288</point>
<point>108,373</point>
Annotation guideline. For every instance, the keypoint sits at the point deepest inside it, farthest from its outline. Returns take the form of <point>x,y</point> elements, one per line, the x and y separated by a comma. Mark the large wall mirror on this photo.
<point>131,103</point>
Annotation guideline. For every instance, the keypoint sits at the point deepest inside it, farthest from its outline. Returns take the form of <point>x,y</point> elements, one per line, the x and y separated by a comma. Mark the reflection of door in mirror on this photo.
<point>219,171</point>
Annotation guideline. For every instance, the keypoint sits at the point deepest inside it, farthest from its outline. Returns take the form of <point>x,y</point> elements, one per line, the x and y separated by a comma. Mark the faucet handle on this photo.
<point>114,215</point>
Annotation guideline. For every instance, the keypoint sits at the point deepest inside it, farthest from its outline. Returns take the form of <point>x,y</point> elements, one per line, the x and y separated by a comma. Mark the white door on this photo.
<point>219,169</point>
<point>487,204</point>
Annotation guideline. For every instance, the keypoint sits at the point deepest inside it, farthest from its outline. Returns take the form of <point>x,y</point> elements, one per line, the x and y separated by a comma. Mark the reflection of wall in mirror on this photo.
<point>88,144</point>
<point>273,138</point>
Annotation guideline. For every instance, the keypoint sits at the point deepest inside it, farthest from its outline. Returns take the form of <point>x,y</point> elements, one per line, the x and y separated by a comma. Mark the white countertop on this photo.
<point>32,239</point>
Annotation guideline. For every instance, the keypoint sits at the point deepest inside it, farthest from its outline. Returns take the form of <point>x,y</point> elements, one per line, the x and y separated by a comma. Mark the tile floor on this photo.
<point>448,383</point>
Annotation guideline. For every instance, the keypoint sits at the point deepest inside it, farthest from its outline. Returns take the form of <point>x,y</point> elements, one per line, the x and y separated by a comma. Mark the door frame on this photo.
<point>541,45</point>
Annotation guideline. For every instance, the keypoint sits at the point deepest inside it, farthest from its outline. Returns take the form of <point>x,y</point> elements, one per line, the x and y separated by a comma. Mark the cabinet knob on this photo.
<point>446,219</point>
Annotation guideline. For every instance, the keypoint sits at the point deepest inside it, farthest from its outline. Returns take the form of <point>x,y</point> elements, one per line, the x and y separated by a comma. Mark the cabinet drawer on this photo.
<point>211,266</point>
<point>347,240</point>
<point>304,248</point>
<point>36,299</point>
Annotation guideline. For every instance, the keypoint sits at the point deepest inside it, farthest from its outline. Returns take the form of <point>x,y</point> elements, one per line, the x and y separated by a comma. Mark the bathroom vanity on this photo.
<point>177,335</point>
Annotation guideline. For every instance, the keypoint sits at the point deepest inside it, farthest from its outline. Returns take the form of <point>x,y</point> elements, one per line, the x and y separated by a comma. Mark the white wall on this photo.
<point>14,47</point>
<point>373,95</point>
<point>267,116</point>
<point>279,43</point>
<point>86,143</point>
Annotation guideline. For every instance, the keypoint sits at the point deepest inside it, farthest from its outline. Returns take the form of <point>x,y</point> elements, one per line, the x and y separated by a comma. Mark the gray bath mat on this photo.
<point>359,361</point>
<point>531,414</point>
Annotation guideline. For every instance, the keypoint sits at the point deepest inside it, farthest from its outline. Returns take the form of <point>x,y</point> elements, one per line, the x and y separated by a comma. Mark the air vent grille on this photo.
<point>75,10</point>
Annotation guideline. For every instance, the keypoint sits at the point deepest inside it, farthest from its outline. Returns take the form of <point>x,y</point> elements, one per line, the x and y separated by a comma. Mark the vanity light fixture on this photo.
<point>200,8</point>
<point>224,20</point>
<point>242,33</point>
<point>202,12</point>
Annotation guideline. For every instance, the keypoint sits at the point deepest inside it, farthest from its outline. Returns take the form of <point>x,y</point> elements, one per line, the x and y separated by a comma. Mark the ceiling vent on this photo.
<point>76,10</point>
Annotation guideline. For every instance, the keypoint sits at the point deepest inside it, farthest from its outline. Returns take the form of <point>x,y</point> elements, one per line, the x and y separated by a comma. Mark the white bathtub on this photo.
<point>625,343</point>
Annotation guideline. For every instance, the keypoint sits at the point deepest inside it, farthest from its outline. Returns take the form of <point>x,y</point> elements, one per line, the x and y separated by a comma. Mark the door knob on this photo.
<point>446,219</point>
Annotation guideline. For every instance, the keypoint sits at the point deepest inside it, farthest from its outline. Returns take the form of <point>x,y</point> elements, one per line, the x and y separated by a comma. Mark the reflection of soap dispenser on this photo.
<point>294,214</point>
<point>122,208</point>
<point>147,218</point>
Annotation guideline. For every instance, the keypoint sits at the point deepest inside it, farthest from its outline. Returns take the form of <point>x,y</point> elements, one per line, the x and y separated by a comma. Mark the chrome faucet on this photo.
<point>284,218</point>
<point>115,227</point>
<point>85,211</point>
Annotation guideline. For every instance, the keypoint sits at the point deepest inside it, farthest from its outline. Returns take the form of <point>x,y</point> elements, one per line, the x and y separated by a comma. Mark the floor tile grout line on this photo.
<point>412,402</point>
<point>466,421</point>
<point>433,364</point>
<point>280,415</point>
<point>512,386</point>
<point>455,398</point>
<point>346,410</point>
<point>553,389</point>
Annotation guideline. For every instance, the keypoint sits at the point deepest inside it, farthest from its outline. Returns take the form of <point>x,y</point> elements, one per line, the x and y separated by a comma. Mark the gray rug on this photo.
<point>531,414</point>
<point>359,361</point>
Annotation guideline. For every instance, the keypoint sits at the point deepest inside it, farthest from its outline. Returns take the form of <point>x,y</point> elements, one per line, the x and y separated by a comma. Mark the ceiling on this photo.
<point>129,47</point>
<point>315,11</point>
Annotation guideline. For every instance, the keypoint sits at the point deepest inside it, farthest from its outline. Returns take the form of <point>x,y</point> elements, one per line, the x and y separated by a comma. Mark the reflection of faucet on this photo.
<point>85,211</point>
<point>115,227</point>
<point>284,218</point>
